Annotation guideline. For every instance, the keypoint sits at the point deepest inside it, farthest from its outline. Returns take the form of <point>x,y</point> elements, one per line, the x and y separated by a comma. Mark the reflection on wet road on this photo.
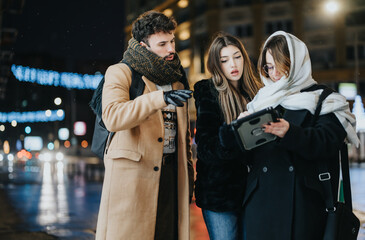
<point>59,202</point>
<point>63,200</point>
<point>52,204</point>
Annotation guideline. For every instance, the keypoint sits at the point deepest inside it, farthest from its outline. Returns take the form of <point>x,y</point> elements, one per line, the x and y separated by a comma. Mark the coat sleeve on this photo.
<point>191,173</point>
<point>208,121</point>
<point>118,111</point>
<point>320,141</point>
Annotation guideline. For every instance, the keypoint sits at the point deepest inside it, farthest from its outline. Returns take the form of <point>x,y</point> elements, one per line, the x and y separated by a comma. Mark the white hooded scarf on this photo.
<point>286,91</point>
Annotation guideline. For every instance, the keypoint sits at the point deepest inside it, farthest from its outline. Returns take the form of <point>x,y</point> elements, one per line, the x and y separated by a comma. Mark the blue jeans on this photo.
<point>223,225</point>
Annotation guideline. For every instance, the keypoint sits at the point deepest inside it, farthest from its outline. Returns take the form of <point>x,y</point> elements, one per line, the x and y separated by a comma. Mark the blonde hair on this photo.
<point>278,48</point>
<point>230,99</point>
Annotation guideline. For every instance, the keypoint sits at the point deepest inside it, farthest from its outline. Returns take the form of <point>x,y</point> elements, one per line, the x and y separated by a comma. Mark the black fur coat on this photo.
<point>221,171</point>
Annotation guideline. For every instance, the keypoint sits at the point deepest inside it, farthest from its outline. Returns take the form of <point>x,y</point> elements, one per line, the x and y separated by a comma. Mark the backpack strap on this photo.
<point>325,93</point>
<point>345,170</point>
<point>135,90</point>
<point>95,102</point>
<point>137,85</point>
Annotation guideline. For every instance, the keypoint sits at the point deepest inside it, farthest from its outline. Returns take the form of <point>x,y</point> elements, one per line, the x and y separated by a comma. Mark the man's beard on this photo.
<point>172,54</point>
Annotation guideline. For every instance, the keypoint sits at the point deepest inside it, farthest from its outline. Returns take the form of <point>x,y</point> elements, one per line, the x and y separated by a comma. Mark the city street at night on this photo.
<point>65,65</point>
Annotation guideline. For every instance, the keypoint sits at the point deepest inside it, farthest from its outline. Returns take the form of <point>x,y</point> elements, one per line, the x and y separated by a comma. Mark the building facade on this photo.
<point>334,34</point>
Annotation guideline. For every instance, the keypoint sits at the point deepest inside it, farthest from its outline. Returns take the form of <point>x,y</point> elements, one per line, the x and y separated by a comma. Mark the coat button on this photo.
<point>264,169</point>
<point>160,139</point>
<point>156,168</point>
<point>291,168</point>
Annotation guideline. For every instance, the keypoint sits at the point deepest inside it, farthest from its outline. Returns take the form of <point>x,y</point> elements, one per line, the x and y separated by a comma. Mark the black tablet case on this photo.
<point>248,130</point>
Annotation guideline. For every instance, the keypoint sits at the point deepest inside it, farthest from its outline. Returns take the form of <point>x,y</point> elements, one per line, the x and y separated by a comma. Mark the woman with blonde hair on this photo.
<point>285,194</point>
<point>221,168</point>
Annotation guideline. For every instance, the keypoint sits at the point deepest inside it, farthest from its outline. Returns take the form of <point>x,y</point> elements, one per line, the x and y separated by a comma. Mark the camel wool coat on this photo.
<point>133,160</point>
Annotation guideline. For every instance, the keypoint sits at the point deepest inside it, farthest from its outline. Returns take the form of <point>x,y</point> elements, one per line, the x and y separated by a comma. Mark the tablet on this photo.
<point>248,130</point>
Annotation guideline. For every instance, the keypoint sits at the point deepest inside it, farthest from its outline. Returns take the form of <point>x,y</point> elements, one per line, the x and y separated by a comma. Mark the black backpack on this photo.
<point>342,223</point>
<point>101,136</point>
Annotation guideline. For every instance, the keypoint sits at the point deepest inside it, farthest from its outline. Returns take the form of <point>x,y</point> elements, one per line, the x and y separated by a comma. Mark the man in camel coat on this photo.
<point>148,169</point>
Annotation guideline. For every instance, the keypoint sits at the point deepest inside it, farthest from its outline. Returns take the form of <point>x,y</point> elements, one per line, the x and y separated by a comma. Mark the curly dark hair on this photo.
<point>152,22</point>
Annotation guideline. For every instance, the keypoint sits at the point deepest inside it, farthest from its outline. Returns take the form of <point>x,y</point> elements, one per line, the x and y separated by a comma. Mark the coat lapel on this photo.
<point>180,111</point>
<point>150,86</point>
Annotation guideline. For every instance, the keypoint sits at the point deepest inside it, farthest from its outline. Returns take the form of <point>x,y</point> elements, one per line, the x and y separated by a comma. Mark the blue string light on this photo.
<point>35,116</point>
<point>52,78</point>
<point>49,78</point>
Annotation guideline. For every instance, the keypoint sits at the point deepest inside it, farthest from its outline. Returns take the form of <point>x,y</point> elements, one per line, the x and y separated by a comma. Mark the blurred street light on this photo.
<point>14,123</point>
<point>168,12</point>
<point>184,35</point>
<point>10,157</point>
<point>183,3</point>
<point>67,144</point>
<point>50,146</point>
<point>18,145</point>
<point>56,144</point>
<point>47,157</point>
<point>84,144</point>
<point>57,101</point>
<point>59,156</point>
<point>63,133</point>
<point>6,147</point>
<point>60,112</point>
<point>48,113</point>
<point>80,128</point>
<point>27,129</point>
<point>332,7</point>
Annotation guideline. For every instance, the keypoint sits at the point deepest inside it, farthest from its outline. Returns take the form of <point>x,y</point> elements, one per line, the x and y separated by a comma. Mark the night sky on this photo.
<point>64,36</point>
<point>75,29</point>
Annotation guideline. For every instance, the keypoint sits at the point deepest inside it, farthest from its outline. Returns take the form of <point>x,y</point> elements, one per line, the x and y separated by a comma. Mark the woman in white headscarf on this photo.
<point>284,198</point>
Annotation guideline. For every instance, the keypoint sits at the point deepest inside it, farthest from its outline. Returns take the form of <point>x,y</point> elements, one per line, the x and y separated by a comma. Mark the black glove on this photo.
<point>226,137</point>
<point>176,97</point>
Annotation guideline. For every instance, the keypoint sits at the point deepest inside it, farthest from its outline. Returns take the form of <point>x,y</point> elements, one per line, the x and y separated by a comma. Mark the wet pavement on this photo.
<point>55,200</point>
<point>51,201</point>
